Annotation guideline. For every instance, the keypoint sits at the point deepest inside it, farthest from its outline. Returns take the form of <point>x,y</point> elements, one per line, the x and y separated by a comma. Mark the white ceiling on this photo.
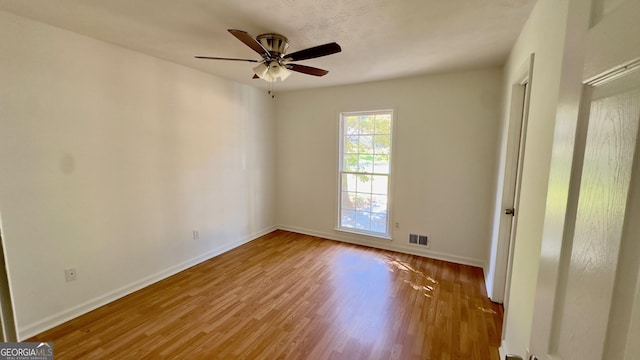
<point>380,39</point>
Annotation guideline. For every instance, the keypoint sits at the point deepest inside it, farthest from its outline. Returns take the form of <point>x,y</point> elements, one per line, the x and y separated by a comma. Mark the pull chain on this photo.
<point>271,92</point>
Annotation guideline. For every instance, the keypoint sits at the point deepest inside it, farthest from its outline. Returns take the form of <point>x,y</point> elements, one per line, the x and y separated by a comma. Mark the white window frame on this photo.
<point>341,135</point>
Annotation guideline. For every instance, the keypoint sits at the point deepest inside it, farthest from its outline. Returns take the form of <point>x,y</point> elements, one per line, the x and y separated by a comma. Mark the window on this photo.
<point>365,169</point>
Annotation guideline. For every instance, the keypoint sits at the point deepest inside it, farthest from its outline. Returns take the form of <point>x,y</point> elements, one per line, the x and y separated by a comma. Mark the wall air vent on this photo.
<point>419,239</point>
<point>413,239</point>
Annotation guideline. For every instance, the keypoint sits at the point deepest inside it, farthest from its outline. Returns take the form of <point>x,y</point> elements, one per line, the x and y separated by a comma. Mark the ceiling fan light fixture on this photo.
<point>261,70</point>
<point>269,74</point>
<point>272,72</point>
<point>279,71</point>
<point>284,73</point>
<point>275,69</point>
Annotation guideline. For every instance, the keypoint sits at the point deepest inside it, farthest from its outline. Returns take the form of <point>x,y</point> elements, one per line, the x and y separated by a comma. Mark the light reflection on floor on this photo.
<point>396,264</point>
<point>365,284</point>
<point>490,311</point>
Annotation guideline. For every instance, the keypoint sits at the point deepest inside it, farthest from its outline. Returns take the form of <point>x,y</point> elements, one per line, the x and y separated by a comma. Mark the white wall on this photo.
<point>544,36</point>
<point>559,35</point>
<point>110,159</point>
<point>632,348</point>
<point>446,134</point>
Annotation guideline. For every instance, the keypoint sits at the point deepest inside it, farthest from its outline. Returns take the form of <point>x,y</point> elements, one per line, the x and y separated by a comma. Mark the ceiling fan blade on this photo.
<point>223,58</point>
<point>250,42</point>
<point>307,70</point>
<point>314,52</point>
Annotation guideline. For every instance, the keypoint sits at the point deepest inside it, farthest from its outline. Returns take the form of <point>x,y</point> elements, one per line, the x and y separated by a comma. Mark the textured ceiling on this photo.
<point>380,39</point>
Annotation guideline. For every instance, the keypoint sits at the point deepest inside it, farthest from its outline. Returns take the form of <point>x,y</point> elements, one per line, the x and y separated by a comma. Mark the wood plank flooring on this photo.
<point>292,296</point>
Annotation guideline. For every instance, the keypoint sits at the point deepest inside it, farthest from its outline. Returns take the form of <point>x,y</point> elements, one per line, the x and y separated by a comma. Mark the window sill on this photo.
<point>364,233</point>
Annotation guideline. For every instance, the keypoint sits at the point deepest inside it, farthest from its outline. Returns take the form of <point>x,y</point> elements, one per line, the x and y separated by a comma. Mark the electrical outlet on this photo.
<point>396,225</point>
<point>70,274</point>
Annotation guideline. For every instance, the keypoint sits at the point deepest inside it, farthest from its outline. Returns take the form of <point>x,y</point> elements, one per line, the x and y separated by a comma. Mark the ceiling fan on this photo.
<point>275,64</point>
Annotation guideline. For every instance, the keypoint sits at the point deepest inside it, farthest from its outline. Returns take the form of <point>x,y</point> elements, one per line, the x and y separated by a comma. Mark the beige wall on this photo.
<point>446,134</point>
<point>110,159</point>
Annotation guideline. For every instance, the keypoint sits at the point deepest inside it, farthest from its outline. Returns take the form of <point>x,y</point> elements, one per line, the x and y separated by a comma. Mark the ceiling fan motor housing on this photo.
<point>275,43</point>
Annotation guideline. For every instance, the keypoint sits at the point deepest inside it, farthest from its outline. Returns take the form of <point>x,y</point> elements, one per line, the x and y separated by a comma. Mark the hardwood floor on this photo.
<point>292,296</point>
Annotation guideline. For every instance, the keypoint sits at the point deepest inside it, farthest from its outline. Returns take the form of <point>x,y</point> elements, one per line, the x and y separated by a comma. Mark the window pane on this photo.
<point>381,164</point>
<point>348,218</point>
<point>351,125</point>
<point>349,182</point>
<point>379,185</point>
<point>363,202</point>
<point>365,163</point>
<point>367,124</point>
<point>351,144</point>
<point>364,184</point>
<point>363,220</point>
<point>382,144</point>
<point>379,223</point>
<point>379,204</point>
<point>348,200</point>
<point>350,163</point>
<point>366,144</point>
<point>383,124</point>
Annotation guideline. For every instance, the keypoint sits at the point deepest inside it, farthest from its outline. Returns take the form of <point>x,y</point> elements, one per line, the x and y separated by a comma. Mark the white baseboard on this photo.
<point>489,288</point>
<point>78,310</point>
<point>66,315</point>
<point>503,353</point>
<point>386,245</point>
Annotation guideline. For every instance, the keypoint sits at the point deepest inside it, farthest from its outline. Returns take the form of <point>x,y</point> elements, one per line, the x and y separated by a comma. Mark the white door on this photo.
<point>585,295</point>
<point>513,198</point>
<point>519,111</point>
<point>511,211</point>
<point>592,311</point>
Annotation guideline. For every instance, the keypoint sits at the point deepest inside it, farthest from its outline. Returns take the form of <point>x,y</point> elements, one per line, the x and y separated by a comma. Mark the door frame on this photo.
<point>516,139</point>
<point>8,331</point>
